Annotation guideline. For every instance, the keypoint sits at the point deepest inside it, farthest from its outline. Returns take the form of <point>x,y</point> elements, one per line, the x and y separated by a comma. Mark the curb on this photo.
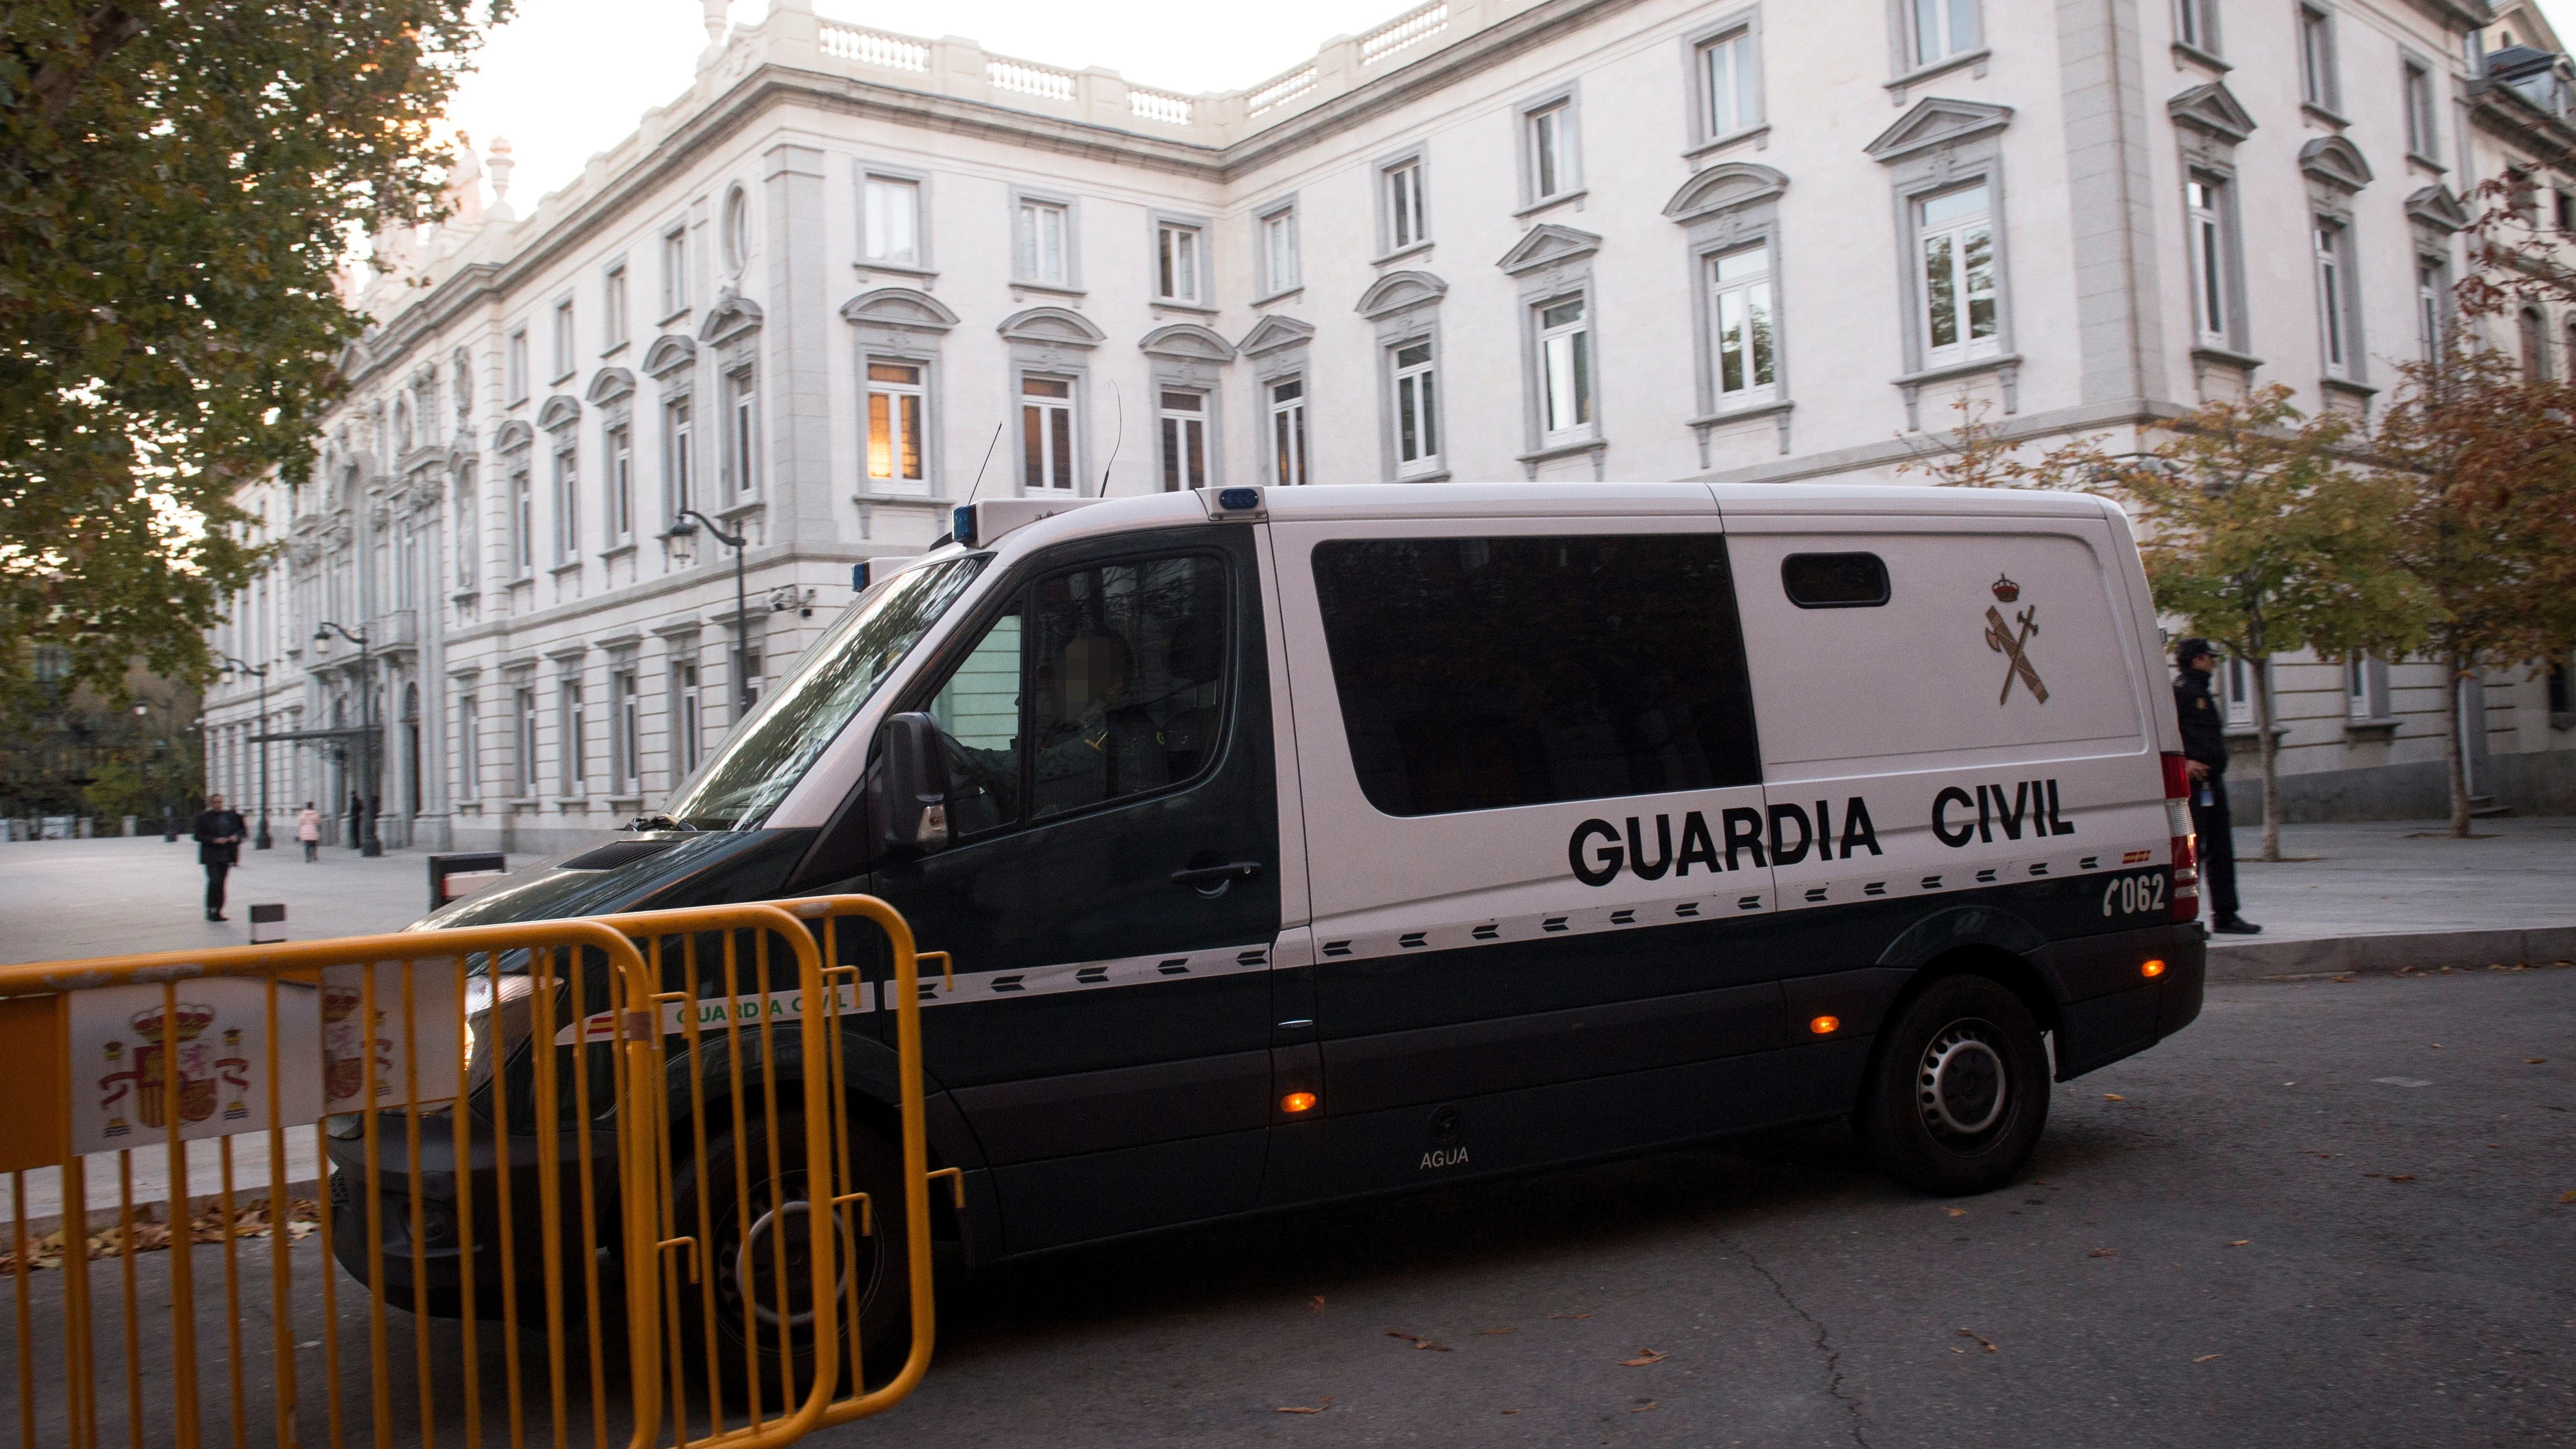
<point>2388,954</point>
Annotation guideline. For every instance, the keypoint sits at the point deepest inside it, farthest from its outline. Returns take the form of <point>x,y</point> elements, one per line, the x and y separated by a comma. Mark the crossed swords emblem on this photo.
<point>2001,638</point>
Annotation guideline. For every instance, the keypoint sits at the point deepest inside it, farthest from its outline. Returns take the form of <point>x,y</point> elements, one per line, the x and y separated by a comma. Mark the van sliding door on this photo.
<point>1533,812</point>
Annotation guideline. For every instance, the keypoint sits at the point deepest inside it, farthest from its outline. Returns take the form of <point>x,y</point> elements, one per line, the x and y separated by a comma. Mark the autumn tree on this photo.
<point>2481,463</point>
<point>179,182</point>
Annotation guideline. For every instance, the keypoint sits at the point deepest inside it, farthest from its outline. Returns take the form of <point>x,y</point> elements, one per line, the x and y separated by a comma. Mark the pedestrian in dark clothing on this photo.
<point>2204,747</point>
<point>219,838</point>
<point>357,820</point>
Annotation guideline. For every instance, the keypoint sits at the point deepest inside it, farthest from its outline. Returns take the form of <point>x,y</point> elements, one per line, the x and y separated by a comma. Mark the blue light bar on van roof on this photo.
<point>961,524</point>
<point>1238,500</point>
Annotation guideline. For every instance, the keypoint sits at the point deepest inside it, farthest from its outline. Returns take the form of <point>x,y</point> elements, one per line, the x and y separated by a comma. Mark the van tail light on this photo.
<point>2186,848</point>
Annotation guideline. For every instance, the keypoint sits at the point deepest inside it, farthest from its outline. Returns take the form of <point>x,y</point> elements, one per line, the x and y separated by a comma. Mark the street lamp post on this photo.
<point>260,841</point>
<point>741,610</point>
<point>368,844</point>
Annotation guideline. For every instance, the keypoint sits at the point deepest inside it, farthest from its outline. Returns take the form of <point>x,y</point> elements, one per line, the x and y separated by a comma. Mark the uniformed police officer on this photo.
<point>2204,745</point>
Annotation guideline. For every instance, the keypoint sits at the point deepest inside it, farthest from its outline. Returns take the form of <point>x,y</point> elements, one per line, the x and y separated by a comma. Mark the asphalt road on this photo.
<point>2336,1214</point>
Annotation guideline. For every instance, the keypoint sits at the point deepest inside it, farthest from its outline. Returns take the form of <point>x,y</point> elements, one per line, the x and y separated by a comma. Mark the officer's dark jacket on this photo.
<point>2204,723</point>
<point>214,825</point>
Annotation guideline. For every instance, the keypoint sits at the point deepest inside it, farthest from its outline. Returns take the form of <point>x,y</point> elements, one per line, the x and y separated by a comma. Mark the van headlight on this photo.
<point>497,1018</point>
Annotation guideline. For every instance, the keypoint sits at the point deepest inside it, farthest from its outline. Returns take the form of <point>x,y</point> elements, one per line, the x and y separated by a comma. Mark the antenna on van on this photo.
<point>1117,438</point>
<point>987,463</point>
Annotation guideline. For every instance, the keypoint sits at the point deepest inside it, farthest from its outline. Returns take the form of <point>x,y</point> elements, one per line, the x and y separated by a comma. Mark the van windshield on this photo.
<point>763,759</point>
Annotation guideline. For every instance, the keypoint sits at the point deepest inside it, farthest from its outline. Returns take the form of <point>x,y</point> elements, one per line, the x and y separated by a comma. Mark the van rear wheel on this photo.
<point>1959,1094</point>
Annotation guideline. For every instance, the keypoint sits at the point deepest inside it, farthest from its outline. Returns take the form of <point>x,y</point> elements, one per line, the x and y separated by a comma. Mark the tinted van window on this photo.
<point>1834,580</point>
<point>1480,673</point>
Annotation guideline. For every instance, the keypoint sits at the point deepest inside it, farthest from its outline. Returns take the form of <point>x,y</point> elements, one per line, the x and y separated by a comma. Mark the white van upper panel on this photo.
<point>1843,500</point>
<point>1486,500</point>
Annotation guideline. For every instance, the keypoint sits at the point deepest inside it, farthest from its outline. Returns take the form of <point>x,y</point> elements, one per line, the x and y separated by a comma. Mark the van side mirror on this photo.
<point>916,786</point>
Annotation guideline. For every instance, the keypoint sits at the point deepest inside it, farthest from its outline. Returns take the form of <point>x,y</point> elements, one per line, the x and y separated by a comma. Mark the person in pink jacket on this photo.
<point>308,828</point>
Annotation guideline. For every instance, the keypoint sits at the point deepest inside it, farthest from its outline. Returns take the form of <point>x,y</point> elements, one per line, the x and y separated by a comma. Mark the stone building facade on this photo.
<point>850,278</point>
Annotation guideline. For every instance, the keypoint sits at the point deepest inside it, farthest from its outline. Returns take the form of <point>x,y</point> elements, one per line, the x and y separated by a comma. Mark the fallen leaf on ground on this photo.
<point>2240,1242</point>
<point>1488,1332</point>
<point>1956,1349</point>
<point>1958,1212</point>
<point>1641,1408</point>
<point>1511,1411</point>
<point>1315,1304</point>
<point>2206,1357</point>
<point>1980,1338</point>
<point>1644,1357</point>
<point>2567,1197</point>
<point>2401,1177</point>
<point>2113,1097</point>
<point>1418,1341</point>
<point>2103,1253</point>
<point>1569,1315</point>
<point>1300,1408</point>
<point>2533,1061</point>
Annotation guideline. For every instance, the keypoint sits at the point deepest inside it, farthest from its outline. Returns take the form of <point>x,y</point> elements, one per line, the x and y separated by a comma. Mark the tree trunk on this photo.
<point>2268,751</point>
<point>2455,748</point>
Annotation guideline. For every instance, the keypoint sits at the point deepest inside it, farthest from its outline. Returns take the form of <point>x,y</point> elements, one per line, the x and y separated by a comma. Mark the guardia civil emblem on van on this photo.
<point>2014,644</point>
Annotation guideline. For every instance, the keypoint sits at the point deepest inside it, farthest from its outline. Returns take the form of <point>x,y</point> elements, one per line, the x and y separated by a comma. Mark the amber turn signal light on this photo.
<point>1297,1102</point>
<point>1825,1025</point>
<point>2152,969</point>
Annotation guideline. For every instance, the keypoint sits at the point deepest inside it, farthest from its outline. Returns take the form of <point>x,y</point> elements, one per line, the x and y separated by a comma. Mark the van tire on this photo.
<point>1959,1094</point>
<point>885,1301</point>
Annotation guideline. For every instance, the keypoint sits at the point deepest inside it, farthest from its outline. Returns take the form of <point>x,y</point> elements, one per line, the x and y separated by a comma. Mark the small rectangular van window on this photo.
<point>1484,673</point>
<point>1834,580</point>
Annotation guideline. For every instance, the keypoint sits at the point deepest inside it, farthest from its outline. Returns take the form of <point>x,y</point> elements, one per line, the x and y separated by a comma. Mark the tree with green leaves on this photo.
<point>2481,463</point>
<point>180,181</point>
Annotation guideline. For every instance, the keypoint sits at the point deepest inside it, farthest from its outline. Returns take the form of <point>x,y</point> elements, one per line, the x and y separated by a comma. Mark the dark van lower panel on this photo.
<point>2107,1007</point>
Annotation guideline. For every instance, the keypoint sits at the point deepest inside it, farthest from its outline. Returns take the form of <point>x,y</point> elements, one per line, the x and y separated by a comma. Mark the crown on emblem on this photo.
<point>2005,589</point>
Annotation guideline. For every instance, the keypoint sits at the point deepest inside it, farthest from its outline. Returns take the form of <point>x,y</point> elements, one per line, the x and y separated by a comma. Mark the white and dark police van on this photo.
<point>1294,845</point>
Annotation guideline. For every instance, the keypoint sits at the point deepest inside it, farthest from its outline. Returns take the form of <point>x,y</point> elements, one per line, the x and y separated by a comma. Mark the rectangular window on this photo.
<point>1046,434</point>
<point>621,484</point>
<point>1551,150</point>
<point>1279,271</point>
<point>2196,24</point>
<point>2207,221</point>
<point>1740,320</point>
<point>2421,138</point>
<point>1185,461</point>
<point>567,501</point>
<point>2432,293</point>
<point>891,230</point>
<point>979,710</point>
<point>1129,659</point>
<point>527,743</point>
<point>523,525</point>
<point>514,366</point>
<point>612,307</point>
<point>742,435</point>
<point>1178,264</point>
<point>751,678</point>
<point>2334,297</point>
<point>675,270</point>
<point>1565,368</point>
<point>563,357</point>
<point>1956,246</point>
<point>1727,85</point>
<point>1407,224</point>
<point>627,739</point>
<point>1288,431</point>
<point>1626,668</point>
<point>469,532</point>
<point>894,422</point>
<point>1042,253</point>
<point>2316,58</point>
<point>1417,412</point>
<point>574,723</point>
<point>469,748</point>
<point>2365,682</point>
<point>2235,686</point>
<point>1942,29</point>
<point>686,720</point>
<point>678,456</point>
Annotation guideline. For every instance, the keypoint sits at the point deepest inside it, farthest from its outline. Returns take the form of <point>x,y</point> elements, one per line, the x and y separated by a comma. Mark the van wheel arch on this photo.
<point>2005,968</point>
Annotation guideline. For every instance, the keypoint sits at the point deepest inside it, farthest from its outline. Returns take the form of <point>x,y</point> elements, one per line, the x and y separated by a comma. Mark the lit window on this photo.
<point>1046,434</point>
<point>1041,243</point>
<point>1288,431</point>
<point>1565,367</point>
<point>1185,463</point>
<point>1957,251</point>
<point>1417,411</point>
<point>892,227</point>
<point>894,421</point>
<point>1740,311</point>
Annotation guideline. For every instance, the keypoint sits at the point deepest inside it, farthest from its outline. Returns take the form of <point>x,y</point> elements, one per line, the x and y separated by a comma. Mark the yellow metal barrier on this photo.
<point>496,1134</point>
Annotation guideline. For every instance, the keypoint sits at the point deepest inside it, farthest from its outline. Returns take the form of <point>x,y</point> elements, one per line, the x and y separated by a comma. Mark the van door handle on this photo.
<point>1211,874</point>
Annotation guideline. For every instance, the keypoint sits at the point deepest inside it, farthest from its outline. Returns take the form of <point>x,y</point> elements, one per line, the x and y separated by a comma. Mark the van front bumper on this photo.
<point>2108,1006</point>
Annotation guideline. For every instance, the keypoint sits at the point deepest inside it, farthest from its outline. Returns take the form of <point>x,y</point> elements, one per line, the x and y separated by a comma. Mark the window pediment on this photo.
<point>670,352</point>
<point>1272,333</point>
<point>610,385</point>
<point>730,318</point>
<point>1188,342</point>
<point>2214,109</point>
<point>905,308</point>
<point>2436,207</point>
<point>2336,162</point>
<point>1724,187</point>
<point>514,434</point>
<point>1546,245</point>
<point>560,410</point>
<point>1052,327</point>
<point>1397,291</point>
<point>1936,121</point>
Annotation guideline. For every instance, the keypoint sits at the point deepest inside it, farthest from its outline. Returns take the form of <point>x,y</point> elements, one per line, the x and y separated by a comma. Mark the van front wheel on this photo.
<point>1959,1094</point>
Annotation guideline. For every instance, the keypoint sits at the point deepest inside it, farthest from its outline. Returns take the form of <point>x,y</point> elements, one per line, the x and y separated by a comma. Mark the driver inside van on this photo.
<point>1101,742</point>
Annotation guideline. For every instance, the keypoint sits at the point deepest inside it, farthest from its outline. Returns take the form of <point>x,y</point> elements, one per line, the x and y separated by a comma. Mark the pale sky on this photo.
<point>568,78</point>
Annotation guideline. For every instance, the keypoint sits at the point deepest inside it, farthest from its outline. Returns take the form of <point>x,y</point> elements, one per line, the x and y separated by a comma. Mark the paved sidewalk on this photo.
<point>2389,895</point>
<point>65,899</point>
